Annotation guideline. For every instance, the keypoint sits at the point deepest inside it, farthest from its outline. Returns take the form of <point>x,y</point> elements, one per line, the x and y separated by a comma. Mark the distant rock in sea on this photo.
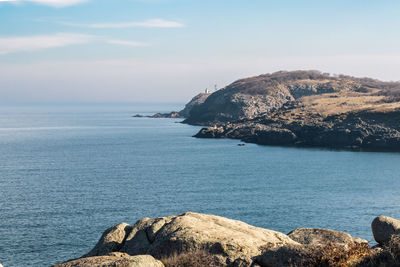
<point>160,115</point>
<point>193,239</point>
<point>197,100</point>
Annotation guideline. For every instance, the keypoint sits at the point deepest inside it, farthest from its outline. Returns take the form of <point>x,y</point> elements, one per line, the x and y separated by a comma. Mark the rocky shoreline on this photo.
<point>301,109</point>
<point>193,239</point>
<point>362,131</point>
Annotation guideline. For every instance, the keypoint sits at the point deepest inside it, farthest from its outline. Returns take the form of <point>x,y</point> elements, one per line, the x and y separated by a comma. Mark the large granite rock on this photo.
<point>233,242</point>
<point>122,260</point>
<point>384,227</point>
<point>193,239</point>
<point>318,236</point>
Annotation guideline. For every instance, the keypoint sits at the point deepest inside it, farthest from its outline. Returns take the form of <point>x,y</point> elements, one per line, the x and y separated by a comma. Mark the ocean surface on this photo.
<point>68,172</point>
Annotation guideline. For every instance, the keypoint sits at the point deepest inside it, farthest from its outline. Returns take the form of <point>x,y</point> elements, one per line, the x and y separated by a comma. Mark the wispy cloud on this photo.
<point>54,3</point>
<point>127,43</point>
<point>16,44</point>
<point>33,43</point>
<point>151,23</point>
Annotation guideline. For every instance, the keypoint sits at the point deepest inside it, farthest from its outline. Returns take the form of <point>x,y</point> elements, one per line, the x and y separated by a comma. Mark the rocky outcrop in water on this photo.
<point>193,239</point>
<point>365,130</point>
<point>306,109</point>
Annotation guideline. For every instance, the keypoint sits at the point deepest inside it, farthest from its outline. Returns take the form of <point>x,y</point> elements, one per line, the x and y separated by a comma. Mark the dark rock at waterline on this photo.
<point>366,130</point>
<point>160,115</point>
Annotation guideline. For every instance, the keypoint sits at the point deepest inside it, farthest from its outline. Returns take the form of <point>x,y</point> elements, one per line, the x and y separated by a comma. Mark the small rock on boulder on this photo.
<point>317,236</point>
<point>384,227</point>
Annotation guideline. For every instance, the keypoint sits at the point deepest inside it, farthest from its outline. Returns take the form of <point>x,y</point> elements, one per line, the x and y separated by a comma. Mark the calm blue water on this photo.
<point>69,172</point>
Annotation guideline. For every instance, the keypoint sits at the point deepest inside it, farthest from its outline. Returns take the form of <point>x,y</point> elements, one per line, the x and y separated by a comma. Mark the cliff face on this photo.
<point>196,101</point>
<point>304,108</point>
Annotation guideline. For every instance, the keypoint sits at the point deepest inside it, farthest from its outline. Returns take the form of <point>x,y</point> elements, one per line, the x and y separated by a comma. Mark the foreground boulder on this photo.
<point>114,260</point>
<point>383,228</point>
<point>234,243</point>
<point>195,240</point>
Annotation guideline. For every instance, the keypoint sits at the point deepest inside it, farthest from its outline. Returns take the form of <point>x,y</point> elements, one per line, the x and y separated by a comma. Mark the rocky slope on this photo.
<point>304,108</point>
<point>193,239</point>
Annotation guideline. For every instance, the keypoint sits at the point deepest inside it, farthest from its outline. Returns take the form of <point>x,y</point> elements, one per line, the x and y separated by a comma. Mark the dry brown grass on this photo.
<point>199,258</point>
<point>340,256</point>
<point>388,256</point>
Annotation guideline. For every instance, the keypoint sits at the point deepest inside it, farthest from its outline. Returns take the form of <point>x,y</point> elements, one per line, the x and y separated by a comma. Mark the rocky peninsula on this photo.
<point>302,108</point>
<point>184,113</point>
<point>193,239</point>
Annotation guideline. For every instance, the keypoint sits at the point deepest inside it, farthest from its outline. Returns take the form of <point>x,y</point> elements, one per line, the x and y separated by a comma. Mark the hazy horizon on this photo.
<point>167,51</point>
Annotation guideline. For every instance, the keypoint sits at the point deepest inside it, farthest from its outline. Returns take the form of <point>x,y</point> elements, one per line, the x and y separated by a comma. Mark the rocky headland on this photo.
<point>301,108</point>
<point>184,113</point>
<point>193,239</point>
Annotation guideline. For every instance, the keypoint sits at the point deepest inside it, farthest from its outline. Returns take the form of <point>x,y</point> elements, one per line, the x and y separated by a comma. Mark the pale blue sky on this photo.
<point>168,50</point>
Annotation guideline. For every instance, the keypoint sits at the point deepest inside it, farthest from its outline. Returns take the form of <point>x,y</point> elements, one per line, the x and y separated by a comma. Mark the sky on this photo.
<point>170,50</point>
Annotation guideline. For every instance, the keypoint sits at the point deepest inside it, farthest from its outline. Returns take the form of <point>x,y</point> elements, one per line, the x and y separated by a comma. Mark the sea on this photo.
<point>70,171</point>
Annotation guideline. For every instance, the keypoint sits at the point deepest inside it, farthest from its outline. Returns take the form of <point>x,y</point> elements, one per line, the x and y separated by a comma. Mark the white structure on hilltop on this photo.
<point>207,91</point>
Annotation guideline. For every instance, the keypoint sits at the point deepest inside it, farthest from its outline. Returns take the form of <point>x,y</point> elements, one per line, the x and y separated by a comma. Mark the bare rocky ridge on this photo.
<point>304,108</point>
<point>193,239</point>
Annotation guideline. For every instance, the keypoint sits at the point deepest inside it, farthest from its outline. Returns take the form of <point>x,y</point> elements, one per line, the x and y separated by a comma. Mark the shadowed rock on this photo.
<point>111,240</point>
<point>286,256</point>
